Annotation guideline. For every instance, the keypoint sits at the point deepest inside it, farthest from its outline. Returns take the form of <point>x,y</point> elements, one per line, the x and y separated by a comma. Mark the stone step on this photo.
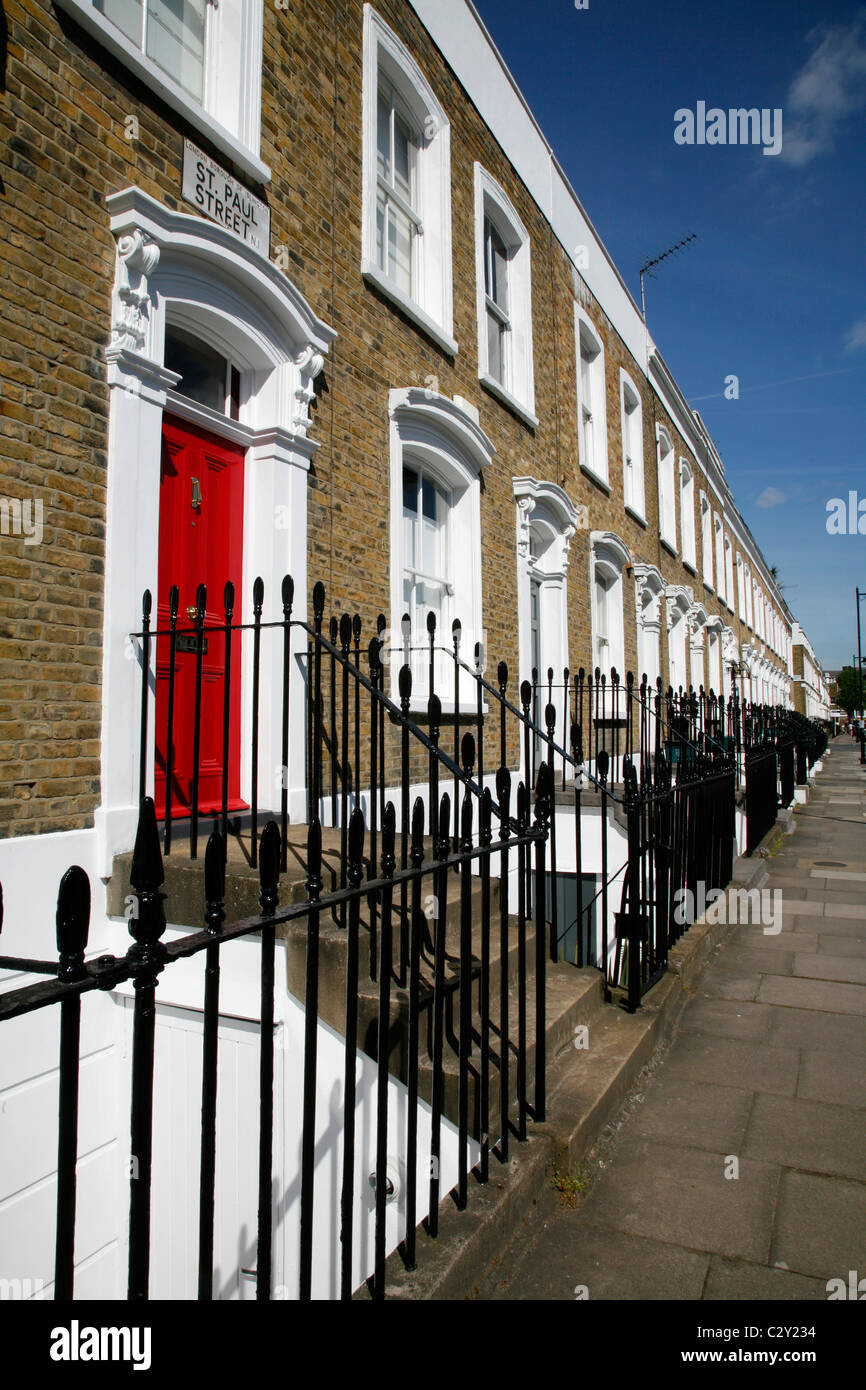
<point>333,942</point>
<point>573,997</point>
<point>184,876</point>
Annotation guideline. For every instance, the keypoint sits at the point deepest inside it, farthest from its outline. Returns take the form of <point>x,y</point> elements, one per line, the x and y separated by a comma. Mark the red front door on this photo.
<point>201,499</point>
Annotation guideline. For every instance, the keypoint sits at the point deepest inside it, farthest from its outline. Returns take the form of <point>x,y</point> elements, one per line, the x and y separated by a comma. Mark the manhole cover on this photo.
<point>829,864</point>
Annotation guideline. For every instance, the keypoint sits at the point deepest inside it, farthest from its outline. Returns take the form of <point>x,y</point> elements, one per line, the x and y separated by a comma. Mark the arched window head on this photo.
<point>437,453</point>
<point>608,558</point>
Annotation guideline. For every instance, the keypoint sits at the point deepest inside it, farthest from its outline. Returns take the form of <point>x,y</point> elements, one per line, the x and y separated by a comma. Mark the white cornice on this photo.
<point>134,212</point>
<point>452,417</point>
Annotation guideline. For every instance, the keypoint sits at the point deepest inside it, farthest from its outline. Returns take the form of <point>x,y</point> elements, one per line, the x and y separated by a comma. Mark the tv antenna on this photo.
<point>647,267</point>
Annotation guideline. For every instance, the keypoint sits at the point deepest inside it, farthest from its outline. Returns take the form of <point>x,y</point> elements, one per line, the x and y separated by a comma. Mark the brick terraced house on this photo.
<point>298,289</point>
<point>810,685</point>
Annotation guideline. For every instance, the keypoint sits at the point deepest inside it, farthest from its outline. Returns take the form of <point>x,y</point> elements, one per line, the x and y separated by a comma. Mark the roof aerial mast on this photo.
<point>651,261</point>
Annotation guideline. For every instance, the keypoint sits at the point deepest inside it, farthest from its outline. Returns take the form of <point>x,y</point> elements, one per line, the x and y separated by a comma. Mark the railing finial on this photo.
<point>269,868</point>
<point>73,922</point>
<point>146,877</point>
<point>215,881</point>
<point>318,603</point>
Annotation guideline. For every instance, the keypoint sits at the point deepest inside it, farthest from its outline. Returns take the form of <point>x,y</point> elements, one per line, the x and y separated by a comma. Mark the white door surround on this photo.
<point>546,521</point>
<point>649,589</point>
<point>178,268</point>
<point>678,600</point>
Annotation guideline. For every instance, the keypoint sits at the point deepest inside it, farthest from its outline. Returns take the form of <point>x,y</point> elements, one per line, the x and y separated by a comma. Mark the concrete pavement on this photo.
<point>737,1170</point>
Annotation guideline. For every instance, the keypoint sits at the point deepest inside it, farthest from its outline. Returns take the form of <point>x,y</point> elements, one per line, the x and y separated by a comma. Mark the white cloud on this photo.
<point>771,497</point>
<point>856,336</point>
<point>828,88</point>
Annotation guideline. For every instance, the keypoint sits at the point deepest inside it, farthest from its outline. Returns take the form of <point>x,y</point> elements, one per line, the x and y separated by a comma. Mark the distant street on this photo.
<point>768,1067</point>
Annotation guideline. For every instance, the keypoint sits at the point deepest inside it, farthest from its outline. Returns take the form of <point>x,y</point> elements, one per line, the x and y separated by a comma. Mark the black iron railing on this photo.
<point>463,966</point>
<point>492,1066</point>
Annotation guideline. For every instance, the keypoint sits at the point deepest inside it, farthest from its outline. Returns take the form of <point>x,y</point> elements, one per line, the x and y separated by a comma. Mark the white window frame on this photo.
<point>608,558</point>
<point>741,588</point>
<point>687,513</point>
<point>719,555</point>
<point>666,489</point>
<point>729,572</point>
<point>443,439</point>
<point>517,391</point>
<point>229,113</point>
<point>631,424</point>
<point>430,305</point>
<point>419,661</point>
<point>706,541</point>
<point>593,459</point>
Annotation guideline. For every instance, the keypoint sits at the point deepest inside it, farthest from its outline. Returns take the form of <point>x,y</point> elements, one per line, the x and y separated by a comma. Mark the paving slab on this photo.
<point>761,961</point>
<point>681,1195</point>
<point>837,1077</point>
<point>796,935</point>
<point>807,1134</point>
<point>833,898</point>
<point>729,984</point>
<point>799,907</point>
<point>835,876</point>
<point>703,1057</point>
<point>824,926</point>
<point>832,945</point>
<point>814,1031</point>
<point>694,1113</point>
<point>573,1255</point>
<point>728,1018</point>
<point>820,1225</point>
<point>812,994</point>
<point>737,1279</point>
<point>789,881</point>
<point>822,966</point>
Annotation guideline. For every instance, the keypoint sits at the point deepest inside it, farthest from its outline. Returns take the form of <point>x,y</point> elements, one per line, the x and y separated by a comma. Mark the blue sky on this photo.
<point>774,289</point>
